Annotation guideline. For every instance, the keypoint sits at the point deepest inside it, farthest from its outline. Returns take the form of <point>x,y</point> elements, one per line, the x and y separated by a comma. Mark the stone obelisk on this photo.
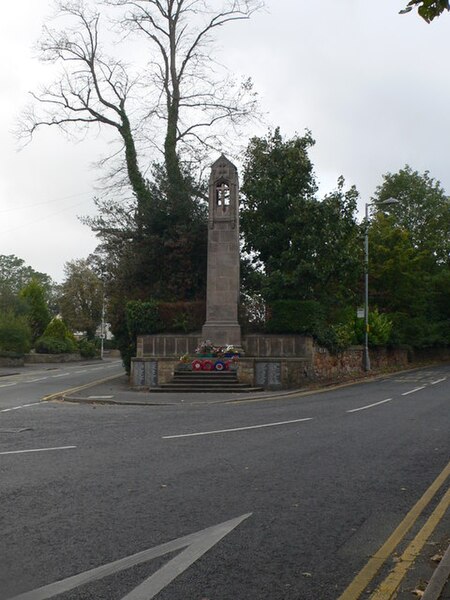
<point>222,294</point>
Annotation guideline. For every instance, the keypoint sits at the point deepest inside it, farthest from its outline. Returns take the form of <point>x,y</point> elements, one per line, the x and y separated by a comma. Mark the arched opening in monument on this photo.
<point>223,195</point>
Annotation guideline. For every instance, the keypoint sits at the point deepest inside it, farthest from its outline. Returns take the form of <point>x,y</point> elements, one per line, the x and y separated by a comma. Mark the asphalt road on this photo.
<point>281,499</point>
<point>24,385</point>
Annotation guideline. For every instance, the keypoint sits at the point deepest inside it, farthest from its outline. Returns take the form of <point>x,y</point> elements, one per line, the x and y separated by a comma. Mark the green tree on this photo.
<point>15,334</point>
<point>37,312</point>
<point>81,297</point>
<point>15,274</point>
<point>398,277</point>
<point>423,210</point>
<point>410,258</point>
<point>427,9</point>
<point>308,250</point>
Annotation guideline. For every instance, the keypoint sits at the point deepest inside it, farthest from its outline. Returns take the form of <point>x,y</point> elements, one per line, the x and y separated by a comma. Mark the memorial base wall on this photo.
<point>273,362</point>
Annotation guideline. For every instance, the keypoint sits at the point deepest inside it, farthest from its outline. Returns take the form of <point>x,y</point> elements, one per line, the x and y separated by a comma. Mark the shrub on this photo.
<point>57,339</point>
<point>337,337</point>
<point>58,329</point>
<point>51,345</point>
<point>15,333</point>
<point>142,317</point>
<point>182,316</point>
<point>419,332</point>
<point>7,354</point>
<point>295,316</point>
<point>87,349</point>
<point>380,329</point>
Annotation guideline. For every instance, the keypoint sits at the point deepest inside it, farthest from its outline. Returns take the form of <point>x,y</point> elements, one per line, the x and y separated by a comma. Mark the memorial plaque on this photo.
<point>151,373</point>
<point>261,373</point>
<point>274,375</point>
<point>139,373</point>
<point>268,374</point>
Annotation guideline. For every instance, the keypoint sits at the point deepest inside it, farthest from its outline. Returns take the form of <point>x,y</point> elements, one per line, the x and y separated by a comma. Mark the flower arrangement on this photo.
<point>185,359</point>
<point>230,349</point>
<point>205,347</point>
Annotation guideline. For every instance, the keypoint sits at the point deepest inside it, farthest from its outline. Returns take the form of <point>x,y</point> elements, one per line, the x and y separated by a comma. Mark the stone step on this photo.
<point>168,387</point>
<point>205,381</point>
<point>211,384</point>
<point>206,373</point>
<point>201,378</point>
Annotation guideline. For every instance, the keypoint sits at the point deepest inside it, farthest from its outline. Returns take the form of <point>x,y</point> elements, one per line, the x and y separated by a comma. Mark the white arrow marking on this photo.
<point>183,435</point>
<point>196,545</point>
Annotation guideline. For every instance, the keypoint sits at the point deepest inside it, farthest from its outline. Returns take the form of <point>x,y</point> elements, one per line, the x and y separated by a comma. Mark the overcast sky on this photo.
<point>372,86</point>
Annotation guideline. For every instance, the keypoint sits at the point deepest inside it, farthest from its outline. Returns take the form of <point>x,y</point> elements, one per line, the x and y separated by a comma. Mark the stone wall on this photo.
<point>167,345</point>
<point>51,358</point>
<point>11,362</point>
<point>274,361</point>
<point>328,366</point>
<point>291,346</point>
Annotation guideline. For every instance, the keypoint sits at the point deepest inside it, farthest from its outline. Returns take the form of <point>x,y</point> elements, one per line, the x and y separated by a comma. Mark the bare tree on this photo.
<point>181,85</point>
<point>193,98</point>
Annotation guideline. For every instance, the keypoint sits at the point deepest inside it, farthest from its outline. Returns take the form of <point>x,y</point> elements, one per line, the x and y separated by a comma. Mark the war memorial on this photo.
<point>220,350</point>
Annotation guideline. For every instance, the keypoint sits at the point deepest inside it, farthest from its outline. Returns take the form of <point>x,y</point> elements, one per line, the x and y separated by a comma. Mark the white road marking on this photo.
<point>38,450</point>
<point>99,397</point>
<point>171,437</point>
<point>8,384</point>
<point>195,544</point>
<point>60,375</point>
<point>83,371</point>
<point>414,390</point>
<point>438,381</point>
<point>369,405</point>
<point>21,406</point>
<point>34,380</point>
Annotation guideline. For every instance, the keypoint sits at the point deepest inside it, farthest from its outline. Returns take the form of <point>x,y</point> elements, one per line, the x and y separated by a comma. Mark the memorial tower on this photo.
<point>222,294</point>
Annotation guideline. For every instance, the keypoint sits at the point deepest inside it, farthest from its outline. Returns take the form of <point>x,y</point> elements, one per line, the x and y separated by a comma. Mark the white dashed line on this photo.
<point>438,381</point>
<point>17,407</point>
<point>34,380</point>
<point>369,405</point>
<point>60,375</point>
<point>171,437</point>
<point>414,390</point>
<point>8,384</point>
<point>38,450</point>
<point>83,371</point>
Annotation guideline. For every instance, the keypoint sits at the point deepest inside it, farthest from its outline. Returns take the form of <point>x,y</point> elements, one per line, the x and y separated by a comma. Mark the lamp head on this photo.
<point>389,201</point>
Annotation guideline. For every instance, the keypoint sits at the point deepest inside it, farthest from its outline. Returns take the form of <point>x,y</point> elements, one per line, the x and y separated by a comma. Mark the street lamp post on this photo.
<point>389,201</point>
<point>366,290</point>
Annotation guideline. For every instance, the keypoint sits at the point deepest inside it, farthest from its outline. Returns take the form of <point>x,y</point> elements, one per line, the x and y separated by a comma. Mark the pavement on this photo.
<point>427,578</point>
<point>117,391</point>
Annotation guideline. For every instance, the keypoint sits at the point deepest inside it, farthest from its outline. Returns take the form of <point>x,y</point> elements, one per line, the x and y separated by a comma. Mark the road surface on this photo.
<point>282,499</point>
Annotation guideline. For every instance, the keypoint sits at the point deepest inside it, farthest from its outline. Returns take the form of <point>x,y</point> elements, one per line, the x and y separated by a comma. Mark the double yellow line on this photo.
<point>387,589</point>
